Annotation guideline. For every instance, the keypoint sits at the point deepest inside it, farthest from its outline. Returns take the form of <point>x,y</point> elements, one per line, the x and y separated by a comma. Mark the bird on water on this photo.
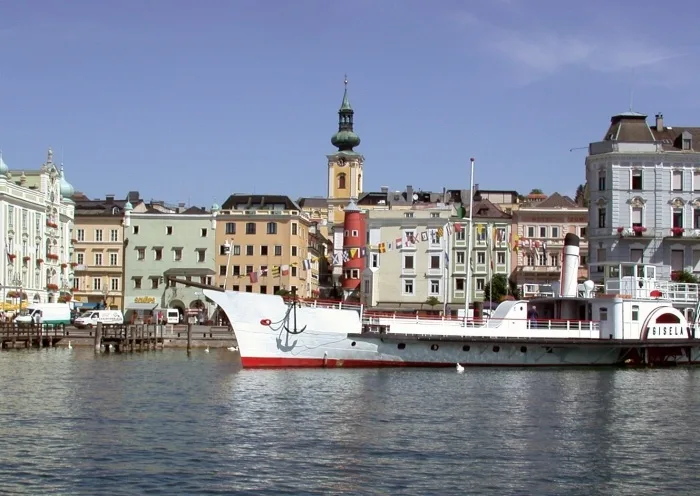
<point>206,350</point>
<point>70,346</point>
<point>460,369</point>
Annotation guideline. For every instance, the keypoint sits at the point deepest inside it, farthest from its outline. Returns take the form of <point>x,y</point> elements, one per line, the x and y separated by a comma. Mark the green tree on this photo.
<point>536,191</point>
<point>502,287</point>
<point>283,293</point>
<point>432,301</point>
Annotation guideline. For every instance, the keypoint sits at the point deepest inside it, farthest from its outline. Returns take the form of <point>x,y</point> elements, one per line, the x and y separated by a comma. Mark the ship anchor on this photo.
<point>294,310</point>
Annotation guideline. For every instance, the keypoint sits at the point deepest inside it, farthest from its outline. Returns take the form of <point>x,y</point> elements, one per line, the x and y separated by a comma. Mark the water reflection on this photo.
<point>166,423</point>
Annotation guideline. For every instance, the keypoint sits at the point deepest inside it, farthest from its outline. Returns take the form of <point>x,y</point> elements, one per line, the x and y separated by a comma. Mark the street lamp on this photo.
<point>228,250</point>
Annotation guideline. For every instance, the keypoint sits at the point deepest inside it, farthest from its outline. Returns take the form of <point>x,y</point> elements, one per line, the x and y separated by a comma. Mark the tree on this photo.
<point>582,195</point>
<point>432,301</point>
<point>536,191</point>
<point>502,287</point>
<point>283,293</point>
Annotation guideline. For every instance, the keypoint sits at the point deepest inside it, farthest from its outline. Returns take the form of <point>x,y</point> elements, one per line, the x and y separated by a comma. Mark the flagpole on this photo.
<point>470,242</point>
<point>447,271</point>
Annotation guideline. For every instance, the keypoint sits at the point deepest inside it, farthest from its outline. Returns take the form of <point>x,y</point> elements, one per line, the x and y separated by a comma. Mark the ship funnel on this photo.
<point>569,266</point>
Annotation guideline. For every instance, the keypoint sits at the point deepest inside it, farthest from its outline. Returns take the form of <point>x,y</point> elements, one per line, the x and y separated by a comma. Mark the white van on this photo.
<point>172,316</point>
<point>90,318</point>
<point>45,313</point>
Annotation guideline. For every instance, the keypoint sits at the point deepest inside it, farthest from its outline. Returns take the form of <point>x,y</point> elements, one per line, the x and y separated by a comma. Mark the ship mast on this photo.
<point>470,243</point>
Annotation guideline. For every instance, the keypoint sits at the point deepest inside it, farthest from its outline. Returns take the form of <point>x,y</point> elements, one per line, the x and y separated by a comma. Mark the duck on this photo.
<point>70,346</point>
<point>460,369</point>
<point>206,350</point>
<point>232,348</point>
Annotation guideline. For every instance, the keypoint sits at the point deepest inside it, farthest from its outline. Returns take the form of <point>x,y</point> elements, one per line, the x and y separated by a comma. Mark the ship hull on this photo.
<point>261,349</point>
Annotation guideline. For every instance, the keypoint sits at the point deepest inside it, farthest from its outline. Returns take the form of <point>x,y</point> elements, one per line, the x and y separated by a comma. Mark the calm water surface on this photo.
<point>162,423</point>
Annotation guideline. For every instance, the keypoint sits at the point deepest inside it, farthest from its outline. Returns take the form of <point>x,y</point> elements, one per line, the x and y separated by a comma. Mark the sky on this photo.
<point>191,101</point>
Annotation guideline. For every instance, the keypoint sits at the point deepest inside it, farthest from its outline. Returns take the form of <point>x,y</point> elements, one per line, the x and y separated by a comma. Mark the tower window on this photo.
<point>341,181</point>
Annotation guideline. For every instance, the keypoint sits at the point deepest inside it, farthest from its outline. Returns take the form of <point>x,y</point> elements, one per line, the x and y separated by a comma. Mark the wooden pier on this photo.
<point>34,336</point>
<point>122,338</point>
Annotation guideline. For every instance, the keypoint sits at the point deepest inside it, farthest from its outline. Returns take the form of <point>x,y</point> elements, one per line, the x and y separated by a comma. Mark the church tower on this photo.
<point>345,165</point>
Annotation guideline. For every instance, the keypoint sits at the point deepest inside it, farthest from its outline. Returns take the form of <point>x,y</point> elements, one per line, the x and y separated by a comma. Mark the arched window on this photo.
<point>341,180</point>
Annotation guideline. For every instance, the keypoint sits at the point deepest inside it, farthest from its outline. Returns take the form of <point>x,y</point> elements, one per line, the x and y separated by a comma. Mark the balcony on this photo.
<point>540,269</point>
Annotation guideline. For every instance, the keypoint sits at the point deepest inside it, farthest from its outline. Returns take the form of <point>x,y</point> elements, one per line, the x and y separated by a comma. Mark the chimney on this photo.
<point>659,122</point>
<point>385,189</point>
<point>109,199</point>
<point>409,193</point>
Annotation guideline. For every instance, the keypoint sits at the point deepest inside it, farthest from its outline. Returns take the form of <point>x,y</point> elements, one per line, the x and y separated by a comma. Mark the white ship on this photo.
<point>633,321</point>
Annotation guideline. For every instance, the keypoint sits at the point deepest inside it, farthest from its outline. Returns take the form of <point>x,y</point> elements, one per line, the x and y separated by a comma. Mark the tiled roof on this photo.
<point>672,138</point>
<point>629,127</point>
<point>245,201</point>
<point>555,200</point>
<point>484,209</point>
<point>313,202</point>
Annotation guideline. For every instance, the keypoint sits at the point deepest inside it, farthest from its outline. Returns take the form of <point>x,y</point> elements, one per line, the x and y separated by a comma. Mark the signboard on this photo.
<point>145,299</point>
<point>141,303</point>
<point>667,331</point>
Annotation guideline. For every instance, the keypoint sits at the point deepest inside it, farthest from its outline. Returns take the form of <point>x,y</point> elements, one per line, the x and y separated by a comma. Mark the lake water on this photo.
<point>163,423</point>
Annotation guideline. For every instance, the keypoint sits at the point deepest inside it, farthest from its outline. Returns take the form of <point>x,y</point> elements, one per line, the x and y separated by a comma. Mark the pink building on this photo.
<point>539,227</point>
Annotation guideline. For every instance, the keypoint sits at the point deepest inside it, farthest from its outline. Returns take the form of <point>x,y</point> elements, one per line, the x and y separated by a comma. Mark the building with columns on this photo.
<point>644,184</point>
<point>37,214</point>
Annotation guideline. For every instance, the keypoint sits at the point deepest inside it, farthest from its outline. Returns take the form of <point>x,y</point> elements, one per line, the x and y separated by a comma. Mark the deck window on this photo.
<point>635,312</point>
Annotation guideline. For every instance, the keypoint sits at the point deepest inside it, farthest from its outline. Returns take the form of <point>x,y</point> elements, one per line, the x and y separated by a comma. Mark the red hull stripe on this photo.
<point>279,362</point>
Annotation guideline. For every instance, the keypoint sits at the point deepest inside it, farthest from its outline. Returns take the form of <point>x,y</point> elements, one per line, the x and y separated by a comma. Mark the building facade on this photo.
<point>37,215</point>
<point>644,187</point>
<point>491,228</point>
<point>405,260</point>
<point>263,246</point>
<point>99,251</point>
<point>163,243</point>
<point>537,243</point>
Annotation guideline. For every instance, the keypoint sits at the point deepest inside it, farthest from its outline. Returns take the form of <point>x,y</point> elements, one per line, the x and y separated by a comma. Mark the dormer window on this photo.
<point>687,140</point>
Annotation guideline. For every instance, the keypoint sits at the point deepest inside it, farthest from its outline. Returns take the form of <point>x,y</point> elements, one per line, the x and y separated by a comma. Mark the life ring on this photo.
<point>265,322</point>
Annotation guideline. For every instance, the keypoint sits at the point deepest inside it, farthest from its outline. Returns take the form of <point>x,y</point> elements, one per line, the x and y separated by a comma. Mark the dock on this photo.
<point>121,338</point>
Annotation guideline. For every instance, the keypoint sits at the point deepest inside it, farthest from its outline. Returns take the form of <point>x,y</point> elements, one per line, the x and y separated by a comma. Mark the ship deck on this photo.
<point>560,342</point>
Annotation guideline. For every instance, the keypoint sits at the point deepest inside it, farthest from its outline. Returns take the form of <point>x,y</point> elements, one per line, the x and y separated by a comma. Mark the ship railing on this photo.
<point>650,288</point>
<point>332,304</point>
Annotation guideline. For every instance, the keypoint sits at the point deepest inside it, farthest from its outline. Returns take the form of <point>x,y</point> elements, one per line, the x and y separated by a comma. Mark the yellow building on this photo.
<point>266,244</point>
<point>98,256</point>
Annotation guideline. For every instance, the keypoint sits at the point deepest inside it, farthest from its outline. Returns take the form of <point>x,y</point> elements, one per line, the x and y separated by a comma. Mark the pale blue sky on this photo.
<point>196,100</point>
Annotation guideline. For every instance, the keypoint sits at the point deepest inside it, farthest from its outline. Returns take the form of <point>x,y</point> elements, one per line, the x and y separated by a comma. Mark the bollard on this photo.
<point>98,337</point>
<point>189,338</point>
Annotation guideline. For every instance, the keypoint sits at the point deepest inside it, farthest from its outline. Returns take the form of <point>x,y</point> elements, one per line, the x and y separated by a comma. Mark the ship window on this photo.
<point>434,347</point>
<point>353,343</point>
<point>523,349</point>
<point>466,347</point>
<point>401,346</point>
<point>635,312</point>
<point>603,314</point>
<point>496,349</point>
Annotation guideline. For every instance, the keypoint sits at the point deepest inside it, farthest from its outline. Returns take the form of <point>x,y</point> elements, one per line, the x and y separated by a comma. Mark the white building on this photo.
<point>644,184</point>
<point>406,259</point>
<point>36,214</point>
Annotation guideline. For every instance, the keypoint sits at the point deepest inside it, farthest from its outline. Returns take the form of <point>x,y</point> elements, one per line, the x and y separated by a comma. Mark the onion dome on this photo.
<point>4,169</point>
<point>128,206</point>
<point>66,189</point>
<point>345,139</point>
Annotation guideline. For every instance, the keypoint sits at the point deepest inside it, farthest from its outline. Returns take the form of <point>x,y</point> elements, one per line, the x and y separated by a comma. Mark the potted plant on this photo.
<point>639,230</point>
<point>52,287</point>
<point>74,264</point>
<point>677,231</point>
<point>12,257</point>
<point>64,265</point>
<point>52,256</point>
<point>40,261</point>
<point>26,259</point>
